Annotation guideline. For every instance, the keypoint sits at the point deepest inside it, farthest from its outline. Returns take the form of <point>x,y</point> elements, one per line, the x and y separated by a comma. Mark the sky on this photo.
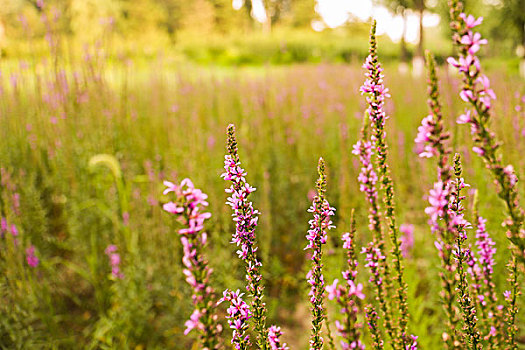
<point>336,12</point>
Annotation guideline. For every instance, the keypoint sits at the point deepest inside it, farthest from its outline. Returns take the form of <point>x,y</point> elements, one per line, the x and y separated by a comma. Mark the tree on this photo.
<point>400,7</point>
<point>302,12</point>
<point>512,16</point>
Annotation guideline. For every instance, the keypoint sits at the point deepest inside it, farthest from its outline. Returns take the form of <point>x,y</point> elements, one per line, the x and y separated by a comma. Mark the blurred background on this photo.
<point>102,100</point>
<point>255,32</point>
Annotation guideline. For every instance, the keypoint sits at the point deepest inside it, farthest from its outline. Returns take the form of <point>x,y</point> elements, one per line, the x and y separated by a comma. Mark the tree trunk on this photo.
<point>404,51</point>
<point>248,6</point>
<point>420,46</point>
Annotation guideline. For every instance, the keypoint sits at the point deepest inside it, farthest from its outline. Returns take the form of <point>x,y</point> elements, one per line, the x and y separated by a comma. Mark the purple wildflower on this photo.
<point>368,180</point>
<point>348,295</point>
<point>187,206</point>
<point>274,338</point>
<point>3,226</point>
<point>462,255</point>
<point>373,261</point>
<point>316,237</point>
<point>246,219</point>
<point>238,315</point>
<point>476,91</point>
<point>114,261</point>
<point>31,258</point>
<point>407,239</point>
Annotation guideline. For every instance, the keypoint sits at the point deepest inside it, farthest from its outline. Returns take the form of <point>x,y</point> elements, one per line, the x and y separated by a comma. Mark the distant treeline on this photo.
<point>226,32</point>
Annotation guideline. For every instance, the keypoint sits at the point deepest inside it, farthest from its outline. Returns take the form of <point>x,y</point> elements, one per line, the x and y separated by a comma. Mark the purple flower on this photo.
<point>465,118</point>
<point>114,261</point>
<point>274,338</point>
<point>14,230</point>
<point>187,206</point>
<point>347,295</point>
<point>238,315</point>
<point>486,249</point>
<point>246,220</point>
<point>471,21</point>
<point>407,239</point>
<point>31,258</point>
<point>368,179</point>
<point>473,41</point>
<point>373,259</point>
<point>428,137</point>
<point>438,201</point>
<point>317,236</point>
<point>3,225</point>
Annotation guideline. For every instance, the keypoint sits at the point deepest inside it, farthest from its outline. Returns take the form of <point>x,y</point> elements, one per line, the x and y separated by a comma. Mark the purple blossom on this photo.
<point>246,220</point>
<point>274,338</point>
<point>238,315</point>
<point>317,236</point>
<point>438,200</point>
<point>348,295</point>
<point>187,206</point>
<point>3,225</point>
<point>486,249</point>
<point>114,261</point>
<point>407,239</point>
<point>31,258</point>
<point>373,259</point>
<point>367,179</point>
<point>424,137</point>
<point>476,91</point>
<point>471,21</point>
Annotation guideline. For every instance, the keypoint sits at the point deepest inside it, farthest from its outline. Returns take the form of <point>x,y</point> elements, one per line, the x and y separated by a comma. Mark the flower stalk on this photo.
<point>317,237</point>
<point>246,219</point>
<point>376,93</point>
<point>187,206</point>
<point>432,141</point>
<point>348,295</point>
<point>461,254</point>
<point>478,94</point>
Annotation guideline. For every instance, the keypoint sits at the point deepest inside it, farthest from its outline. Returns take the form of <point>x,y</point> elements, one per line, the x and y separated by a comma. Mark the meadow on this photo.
<point>85,149</point>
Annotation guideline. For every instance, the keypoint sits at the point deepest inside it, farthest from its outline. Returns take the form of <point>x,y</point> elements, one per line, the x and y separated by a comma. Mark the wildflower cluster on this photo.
<point>187,206</point>
<point>317,236</point>
<point>246,218</point>
<point>461,255</point>
<point>31,258</point>
<point>511,299</point>
<point>274,337</point>
<point>481,268</point>
<point>432,137</point>
<point>348,294</point>
<point>477,92</point>
<point>368,180</point>
<point>114,261</point>
<point>371,318</point>
<point>376,93</point>
<point>6,228</point>
<point>238,315</point>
